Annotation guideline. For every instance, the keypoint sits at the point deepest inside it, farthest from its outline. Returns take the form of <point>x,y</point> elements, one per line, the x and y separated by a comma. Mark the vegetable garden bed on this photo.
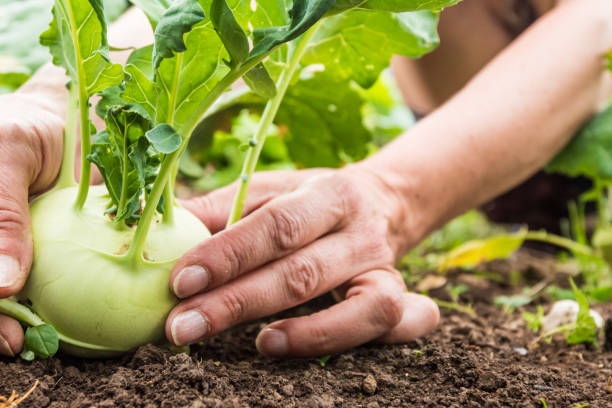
<point>467,362</point>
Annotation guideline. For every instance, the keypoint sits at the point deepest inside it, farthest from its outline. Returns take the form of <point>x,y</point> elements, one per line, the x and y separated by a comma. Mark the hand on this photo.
<point>30,157</point>
<point>306,233</point>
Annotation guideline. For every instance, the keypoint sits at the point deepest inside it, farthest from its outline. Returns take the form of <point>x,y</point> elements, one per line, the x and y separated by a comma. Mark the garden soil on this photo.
<point>469,361</point>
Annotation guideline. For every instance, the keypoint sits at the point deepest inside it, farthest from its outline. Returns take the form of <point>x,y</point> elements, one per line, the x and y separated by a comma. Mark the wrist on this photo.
<point>397,196</point>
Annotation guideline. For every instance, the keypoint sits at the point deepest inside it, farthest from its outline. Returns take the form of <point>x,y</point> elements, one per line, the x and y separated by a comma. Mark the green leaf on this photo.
<point>304,14</point>
<point>358,45</point>
<point>473,253</point>
<point>237,45</point>
<point>164,138</point>
<point>260,81</point>
<point>590,151</point>
<point>176,21</point>
<point>77,41</point>
<point>27,355</point>
<point>122,154</point>
<point>409,5</point>
<point>534,320</point>
<point>585,330</point>
<point>142,58</point>
<point>109,97</point>
<point>231,34</point>
<point>42,340</point>
<point>325,128</point>
<point>139,89</point>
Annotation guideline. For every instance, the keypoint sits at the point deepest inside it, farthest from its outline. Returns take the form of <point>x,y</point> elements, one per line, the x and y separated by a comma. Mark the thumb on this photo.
<point>15,230</point>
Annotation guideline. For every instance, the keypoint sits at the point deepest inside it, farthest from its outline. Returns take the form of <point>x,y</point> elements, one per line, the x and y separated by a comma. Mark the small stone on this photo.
<point>369,385</point>
<point>373,404</point>
<point>521,350</point>
<point>287,390</point>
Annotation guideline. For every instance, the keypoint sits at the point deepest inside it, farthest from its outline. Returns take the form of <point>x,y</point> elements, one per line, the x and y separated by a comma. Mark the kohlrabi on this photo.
<point>103,254</point>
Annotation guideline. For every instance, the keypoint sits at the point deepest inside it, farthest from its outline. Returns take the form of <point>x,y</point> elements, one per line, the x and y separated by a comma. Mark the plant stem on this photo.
<point>455,306</point>
<point>84,110</point>
<point>20,312</point>
<point>267,119</point>
<point>66,176</point>
<point>543,236</point>
<point>135,253</point>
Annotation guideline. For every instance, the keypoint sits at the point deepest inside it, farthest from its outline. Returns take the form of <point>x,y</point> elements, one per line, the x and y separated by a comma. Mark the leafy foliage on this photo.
<point>585,328</point>
<point>590,152</point>
<point>40,341</point>
<point>358,45</point>
<point>78,44</point>
<point>128,161</point>
<point>534,320</point>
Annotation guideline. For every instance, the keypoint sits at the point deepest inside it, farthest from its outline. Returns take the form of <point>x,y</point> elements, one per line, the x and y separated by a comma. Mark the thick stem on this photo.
<point>168,217</point>
<point>135,253</point>
<point>66,176</point>
<point>20,312</point>
<point>267,118</point>
<point>85,150</point>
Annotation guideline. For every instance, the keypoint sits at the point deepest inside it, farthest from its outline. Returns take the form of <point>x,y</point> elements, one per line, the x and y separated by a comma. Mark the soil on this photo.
<point>480,361</point>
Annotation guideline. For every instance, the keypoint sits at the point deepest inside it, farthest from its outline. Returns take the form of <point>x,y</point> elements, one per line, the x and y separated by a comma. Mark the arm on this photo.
<point>308,233</point>
<point>506,123</point>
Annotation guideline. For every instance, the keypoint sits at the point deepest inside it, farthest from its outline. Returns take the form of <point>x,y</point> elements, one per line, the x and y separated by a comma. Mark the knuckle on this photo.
<point>12,215</point>
<point>235,304</point>
<point>302,279</point>
<point>350,195</point>
<point>288,229</point>
<point>389,308</point>
<point>234,261</point>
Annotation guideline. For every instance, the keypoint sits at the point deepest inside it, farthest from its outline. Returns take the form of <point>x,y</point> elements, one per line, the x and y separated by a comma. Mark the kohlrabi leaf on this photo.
<point>77,41</point>
<point>358,45</point>
<point>304,14</point>
<point>139,89</point>
<point>124,159</point>
<point>325,127</point>
<point>176,21</point>
<point>42,341</point>
<point>109,97</point>
<point>237,45</point>
<point>142,58</point>
<point>164,138</point>
<point>408,5</point>
<point>231,34</point>
<point>590,152</point>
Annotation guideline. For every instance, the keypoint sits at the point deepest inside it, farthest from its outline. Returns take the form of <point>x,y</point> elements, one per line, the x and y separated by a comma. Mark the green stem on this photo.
<point>84,110</point>
<point>266,121</point>
<point>543,236</point>
<point>168,217</point>
<point>135,253</point>
<point>455,306</point>
<point>124,176</point>
<point>20,312</point>
<point>66,176</point>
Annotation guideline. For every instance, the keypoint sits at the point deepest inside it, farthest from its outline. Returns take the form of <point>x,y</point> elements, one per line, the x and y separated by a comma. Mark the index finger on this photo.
<point>283,225</point>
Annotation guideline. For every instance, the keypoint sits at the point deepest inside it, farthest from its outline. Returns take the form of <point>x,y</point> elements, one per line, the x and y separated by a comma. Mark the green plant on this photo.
<point>102,255</point>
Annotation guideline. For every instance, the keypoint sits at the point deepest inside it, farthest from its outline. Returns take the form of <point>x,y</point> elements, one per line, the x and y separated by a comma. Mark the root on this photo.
<point>14,400</point>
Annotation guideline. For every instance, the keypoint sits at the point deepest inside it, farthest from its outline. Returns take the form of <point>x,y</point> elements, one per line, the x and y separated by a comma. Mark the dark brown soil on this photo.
<point>466,362</point>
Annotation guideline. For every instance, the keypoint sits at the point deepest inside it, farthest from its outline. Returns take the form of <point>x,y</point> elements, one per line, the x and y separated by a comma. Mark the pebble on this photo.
<point>288,390</point>
<point>369,385</point>
<point>521,350</point>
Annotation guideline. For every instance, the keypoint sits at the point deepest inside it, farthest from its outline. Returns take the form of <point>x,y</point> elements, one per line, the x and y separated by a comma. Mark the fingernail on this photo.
<point>9,271</point>
<point>188,327</point>
<point>190,280</point>
<point>5,347</point>
<point>272,343</point>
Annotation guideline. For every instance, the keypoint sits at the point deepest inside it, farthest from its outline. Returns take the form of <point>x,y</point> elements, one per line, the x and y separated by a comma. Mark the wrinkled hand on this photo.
<point>30,157</point>
<point>306,233</point>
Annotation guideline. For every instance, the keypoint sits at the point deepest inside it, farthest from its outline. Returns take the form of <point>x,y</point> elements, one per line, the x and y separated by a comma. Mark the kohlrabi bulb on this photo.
<point>101,303</point>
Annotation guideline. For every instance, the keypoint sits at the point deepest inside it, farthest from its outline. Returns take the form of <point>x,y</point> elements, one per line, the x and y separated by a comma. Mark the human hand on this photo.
<point>306,233</point>
<point>30,156</point>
